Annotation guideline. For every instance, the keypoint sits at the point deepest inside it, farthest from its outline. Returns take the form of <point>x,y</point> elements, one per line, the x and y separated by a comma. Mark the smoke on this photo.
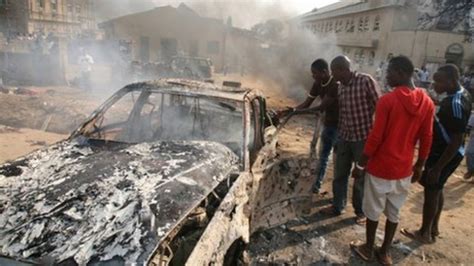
<point>108,9</point>
<point>287,64</point>
<point>282,63</point>
<point>244,14</point>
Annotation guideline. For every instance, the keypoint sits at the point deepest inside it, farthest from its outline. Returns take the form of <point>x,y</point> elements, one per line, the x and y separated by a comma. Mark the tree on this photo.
<point>452,15</point>
<point>270,30</point>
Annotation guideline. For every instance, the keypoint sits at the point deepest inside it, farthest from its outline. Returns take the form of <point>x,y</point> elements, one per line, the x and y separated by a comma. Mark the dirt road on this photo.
<point>16,142</point>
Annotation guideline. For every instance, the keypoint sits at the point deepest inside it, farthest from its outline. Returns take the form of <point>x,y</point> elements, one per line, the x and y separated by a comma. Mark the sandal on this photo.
<point>361,220</point>
<point>383,260</point>
<point>357,247</point>
<point>330,210</point>
<point>415,236</point>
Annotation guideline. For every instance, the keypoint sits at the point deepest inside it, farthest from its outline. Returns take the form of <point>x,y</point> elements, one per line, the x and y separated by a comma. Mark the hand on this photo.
<point>357,173</point>
<point>417,173</point>
<point>433,176</point>
<point>284,112</point>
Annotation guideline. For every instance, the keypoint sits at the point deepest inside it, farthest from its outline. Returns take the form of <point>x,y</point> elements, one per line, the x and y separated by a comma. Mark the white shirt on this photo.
<point>424,76</point>
<point>86,61</point>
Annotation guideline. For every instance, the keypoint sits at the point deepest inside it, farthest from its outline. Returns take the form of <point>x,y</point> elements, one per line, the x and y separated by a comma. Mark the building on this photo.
<point>61,17</point>
<point>166,31</point>
<point>371,31</point>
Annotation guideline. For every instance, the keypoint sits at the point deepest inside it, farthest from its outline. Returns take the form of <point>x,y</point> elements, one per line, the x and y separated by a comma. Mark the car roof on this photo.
<point>195,88</point>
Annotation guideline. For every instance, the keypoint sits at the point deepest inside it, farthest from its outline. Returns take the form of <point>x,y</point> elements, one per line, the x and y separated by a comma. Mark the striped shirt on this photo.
<point>357,101</point>
<point>451,118</point>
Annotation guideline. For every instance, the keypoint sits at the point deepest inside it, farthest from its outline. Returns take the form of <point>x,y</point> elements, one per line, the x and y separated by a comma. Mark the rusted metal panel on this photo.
<point>231,222</point>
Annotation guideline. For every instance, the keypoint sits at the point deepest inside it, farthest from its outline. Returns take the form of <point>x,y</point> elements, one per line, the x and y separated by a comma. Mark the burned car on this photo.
<point>167,172</point>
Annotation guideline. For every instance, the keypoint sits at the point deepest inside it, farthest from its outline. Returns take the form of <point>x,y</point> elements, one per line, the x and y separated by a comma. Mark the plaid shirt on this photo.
<point>357,102</point>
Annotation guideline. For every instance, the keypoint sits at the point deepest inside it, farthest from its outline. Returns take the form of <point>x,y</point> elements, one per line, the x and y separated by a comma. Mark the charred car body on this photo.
<point>164,172</point>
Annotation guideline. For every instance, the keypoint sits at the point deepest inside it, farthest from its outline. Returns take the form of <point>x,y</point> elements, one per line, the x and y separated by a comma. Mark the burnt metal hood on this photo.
<point>95,201</point>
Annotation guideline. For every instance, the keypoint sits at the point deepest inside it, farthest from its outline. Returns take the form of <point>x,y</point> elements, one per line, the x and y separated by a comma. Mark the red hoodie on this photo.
<point>402,118</point>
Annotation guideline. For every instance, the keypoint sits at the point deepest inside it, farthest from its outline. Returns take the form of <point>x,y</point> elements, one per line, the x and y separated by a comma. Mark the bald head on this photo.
<point>341,62</point>
<point>341,69</point>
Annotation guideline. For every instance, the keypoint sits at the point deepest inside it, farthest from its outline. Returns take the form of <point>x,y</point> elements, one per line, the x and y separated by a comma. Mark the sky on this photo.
<point>244,13</point>
<point>299,6</point>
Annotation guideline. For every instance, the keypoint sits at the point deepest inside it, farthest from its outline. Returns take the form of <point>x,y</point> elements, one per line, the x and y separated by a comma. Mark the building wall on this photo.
<point>397,35</point>
<point>430,47</point>
<point>57,16</point>
<point>195,35</point>
<point>14,16</point>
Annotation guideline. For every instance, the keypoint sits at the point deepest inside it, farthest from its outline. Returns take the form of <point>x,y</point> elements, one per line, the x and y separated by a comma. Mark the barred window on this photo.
<point>366,24</point>
<point>371,58</point>
<point>377,23</point>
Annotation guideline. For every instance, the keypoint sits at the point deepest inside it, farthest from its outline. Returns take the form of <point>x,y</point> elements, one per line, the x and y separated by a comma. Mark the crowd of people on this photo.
<point>375,136</point>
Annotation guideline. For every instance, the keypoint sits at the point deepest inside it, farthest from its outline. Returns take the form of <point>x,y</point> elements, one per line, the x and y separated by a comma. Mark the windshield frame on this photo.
<point>144,88</point>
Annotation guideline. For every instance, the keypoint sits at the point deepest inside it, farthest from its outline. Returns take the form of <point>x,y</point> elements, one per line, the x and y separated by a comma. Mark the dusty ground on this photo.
<point>16,142</point>
<point>315,239</point>
<point>52,109</point>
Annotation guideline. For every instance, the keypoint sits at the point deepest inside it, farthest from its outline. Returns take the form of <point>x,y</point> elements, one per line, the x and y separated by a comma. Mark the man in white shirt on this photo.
<point>424,74</point>
<point>86,61</point>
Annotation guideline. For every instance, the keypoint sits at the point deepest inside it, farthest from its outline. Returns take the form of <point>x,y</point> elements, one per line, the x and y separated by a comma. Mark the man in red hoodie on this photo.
<point>402,118</point>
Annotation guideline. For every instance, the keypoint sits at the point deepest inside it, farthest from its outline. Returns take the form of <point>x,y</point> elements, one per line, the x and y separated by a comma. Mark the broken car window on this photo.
<point>153,116</point>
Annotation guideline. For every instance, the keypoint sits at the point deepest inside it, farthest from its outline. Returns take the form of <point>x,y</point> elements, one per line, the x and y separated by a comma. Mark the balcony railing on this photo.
<point>64,18</point>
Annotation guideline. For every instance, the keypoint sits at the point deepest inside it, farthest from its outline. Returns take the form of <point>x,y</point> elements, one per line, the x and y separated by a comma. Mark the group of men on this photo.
<point>374,138</point>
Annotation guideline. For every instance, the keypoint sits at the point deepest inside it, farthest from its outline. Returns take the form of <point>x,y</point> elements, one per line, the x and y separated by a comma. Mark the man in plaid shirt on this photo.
<point>358,94</point>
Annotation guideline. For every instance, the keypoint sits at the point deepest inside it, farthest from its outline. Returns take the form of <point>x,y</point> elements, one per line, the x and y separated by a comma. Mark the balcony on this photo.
<point>55,17</point>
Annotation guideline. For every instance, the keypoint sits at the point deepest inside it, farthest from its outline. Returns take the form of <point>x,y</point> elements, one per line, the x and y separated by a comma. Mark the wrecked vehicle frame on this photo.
<point>102,195</point>
<point>64,181</point>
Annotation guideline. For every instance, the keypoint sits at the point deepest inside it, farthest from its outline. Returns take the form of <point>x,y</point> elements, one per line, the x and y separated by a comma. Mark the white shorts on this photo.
<point>382,195</point>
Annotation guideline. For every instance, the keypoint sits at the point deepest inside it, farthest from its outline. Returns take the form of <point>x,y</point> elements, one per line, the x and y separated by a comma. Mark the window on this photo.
<point>339,27</point>
<point>377,23</point>
<point>361,25</point>
<point>39,4</point>
<point>360,57</point>
<point>346,51</point>
<point>54,5</point>
<point>213,47</point>
<point>330,26</point>
<point>371,58</point>
<point>78,10</point>
<point>348,25</point>
<point>352,26</point>
<point>366,24</point>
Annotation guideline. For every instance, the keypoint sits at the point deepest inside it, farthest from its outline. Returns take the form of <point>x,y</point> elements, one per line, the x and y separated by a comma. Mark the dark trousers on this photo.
<point>328,140</point>
<point>348,152</point>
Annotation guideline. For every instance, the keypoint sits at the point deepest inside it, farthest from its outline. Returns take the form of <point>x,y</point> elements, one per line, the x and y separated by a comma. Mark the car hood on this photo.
<point>97,201</point>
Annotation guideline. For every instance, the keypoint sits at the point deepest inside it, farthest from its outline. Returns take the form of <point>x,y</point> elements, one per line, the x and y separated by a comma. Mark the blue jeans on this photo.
<point>348,152</point>
<point>328,140</point>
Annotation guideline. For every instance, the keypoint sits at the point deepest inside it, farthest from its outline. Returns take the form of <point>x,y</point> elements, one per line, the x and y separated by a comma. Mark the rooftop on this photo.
<point>345,7</point>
